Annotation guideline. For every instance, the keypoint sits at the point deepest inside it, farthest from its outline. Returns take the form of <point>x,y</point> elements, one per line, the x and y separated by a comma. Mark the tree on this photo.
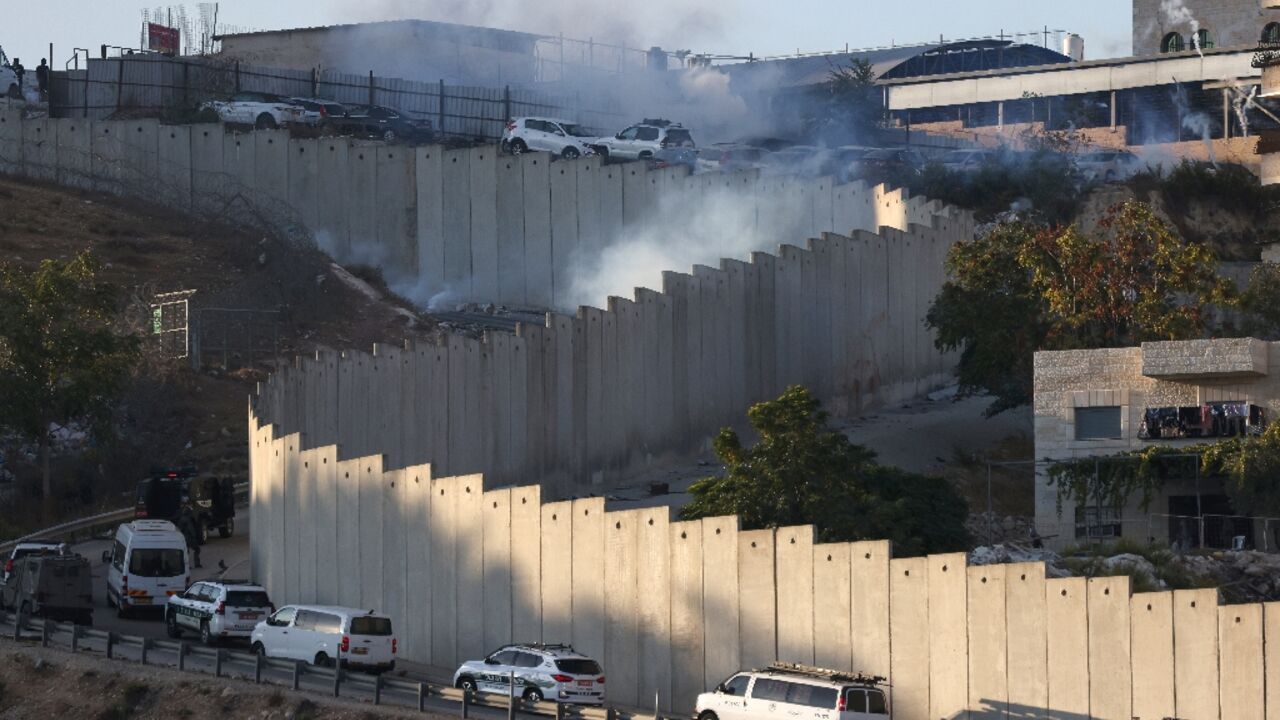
<point>1023,288</point>
<point>847,107</point>
<point>61,361</point>
<point>802,473</point>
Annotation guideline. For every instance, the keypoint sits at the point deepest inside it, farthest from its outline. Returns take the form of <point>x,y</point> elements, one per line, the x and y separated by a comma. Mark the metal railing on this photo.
<point>73,530</point>
<point>295,674</point>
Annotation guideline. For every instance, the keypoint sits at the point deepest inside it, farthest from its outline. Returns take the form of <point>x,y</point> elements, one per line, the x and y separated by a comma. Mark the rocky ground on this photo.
<point>40,683</point>
<point>1243,577</point>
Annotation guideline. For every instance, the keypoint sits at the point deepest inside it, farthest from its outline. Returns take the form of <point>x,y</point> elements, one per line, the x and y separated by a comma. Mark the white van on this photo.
<point>323,635</point>
<point>146,564</point>
<point>785,691</point>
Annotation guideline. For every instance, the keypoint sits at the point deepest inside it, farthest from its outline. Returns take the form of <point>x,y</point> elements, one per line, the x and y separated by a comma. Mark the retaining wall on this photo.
<point>585,399</point>
<point>474,224</point>
<point>673,607</point>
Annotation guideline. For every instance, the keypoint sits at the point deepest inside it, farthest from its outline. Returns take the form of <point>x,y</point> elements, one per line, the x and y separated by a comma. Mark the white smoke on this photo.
<point>1175,13</point>
<point>683,231</point>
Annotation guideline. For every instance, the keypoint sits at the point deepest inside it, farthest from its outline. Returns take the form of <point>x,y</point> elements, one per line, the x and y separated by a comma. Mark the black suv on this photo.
<point>181,497</point>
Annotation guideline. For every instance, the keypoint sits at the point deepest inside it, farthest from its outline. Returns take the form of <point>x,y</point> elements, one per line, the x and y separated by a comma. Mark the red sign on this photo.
<point>162,39</point>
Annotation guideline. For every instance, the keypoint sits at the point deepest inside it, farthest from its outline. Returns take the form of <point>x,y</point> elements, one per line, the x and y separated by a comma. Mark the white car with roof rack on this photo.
<point>644,139</point>
<point>785,691</point>
<point>217,610</point>
<point>552,672</point>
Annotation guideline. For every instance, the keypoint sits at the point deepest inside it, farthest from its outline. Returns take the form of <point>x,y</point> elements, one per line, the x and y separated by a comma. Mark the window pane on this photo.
<point>647,133</point>
<point>579,667</point>
<point>766,689</point>
<point>156,562</point>
<point>855,700</point>
<point>1098,423</point>
<point>876,704</point>
<point>248,598</point>
<point>506,657</point>
<point>738,685</point>
<point>527,660</point>
<point>368,625</point>
<point>811,695</point>
<point>306,620</point>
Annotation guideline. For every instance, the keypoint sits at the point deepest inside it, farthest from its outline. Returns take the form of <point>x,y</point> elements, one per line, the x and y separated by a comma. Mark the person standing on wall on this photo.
<point>18,70</point>
<point>42,78</point>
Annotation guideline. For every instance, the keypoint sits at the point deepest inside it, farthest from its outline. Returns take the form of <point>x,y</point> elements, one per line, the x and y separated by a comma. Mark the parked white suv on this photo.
<point>262,111</point>
<point>218,610</point>
<point>641,141</point>
<point>561,137</point>
<point>325,635</point>
<point>785,691</point>
<point>542,672</point>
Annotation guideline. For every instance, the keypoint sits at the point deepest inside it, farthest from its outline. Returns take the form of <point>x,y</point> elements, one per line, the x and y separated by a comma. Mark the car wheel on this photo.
<point>323,660</point>
<point>259,649</point>
<point>571,153</point>
<point>708,715</point>
<point>171,625</point>
<point>389,136</point>
<point>227,529</point>
<point>504,146</point>
<point>603,152</point>
<point>518,147</point>
<point>468,684</point>
<point>206,636</point>
<point>265,122</point>
<point>533,695</point>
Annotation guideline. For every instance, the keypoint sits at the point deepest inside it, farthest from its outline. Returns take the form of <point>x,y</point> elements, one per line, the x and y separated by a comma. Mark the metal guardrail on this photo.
<point>77,638</point>
<point>90,525</point>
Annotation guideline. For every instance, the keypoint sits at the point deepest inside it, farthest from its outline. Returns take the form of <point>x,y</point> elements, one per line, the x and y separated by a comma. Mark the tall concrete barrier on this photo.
<point>457,224</point>
<point>588,399</point>
<point>673,607</point>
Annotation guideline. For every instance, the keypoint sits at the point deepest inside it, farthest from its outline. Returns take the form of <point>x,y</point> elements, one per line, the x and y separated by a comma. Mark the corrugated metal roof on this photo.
<point>435,24</point>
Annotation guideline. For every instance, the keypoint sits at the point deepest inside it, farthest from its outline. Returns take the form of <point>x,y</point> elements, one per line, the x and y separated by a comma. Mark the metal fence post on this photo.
<point>257,668</point>
<point>182,656</point>
<point>146,643</point>
<point>44,634</point>
<point>377,689</point>
<point>337,678</point>
<point>297,674</point>
<point>217,663</point>
<point>111,645</point>
<point>75,638</point>
<point>440,110</point>
<point>466,703</point>
<point>559,711</point>
<point>511,695</point>
<point>422,697</point>
<point>17,624</point>
<point>372,93</point>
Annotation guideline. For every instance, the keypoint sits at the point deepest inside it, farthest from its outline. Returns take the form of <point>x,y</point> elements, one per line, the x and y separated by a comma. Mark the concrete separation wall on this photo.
<point>455,224</point>
<point>584,399</point>
<point>672,608</point>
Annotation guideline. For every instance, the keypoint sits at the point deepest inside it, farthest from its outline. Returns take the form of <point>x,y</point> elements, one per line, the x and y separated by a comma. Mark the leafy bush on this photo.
<point>801,473</point>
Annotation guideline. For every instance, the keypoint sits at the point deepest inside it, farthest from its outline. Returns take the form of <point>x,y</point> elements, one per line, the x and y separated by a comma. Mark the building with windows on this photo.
<point>1162,27</point>
<point>1100,403</point>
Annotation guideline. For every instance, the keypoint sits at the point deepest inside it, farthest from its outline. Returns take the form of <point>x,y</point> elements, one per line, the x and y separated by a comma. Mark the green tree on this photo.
<point>1022,288</point>
<point>847,107</point>
<point>61,360</point>
<point>800,473</point>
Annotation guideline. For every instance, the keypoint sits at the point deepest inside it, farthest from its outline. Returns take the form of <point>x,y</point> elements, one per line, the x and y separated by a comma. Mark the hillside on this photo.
<point>171,413</point>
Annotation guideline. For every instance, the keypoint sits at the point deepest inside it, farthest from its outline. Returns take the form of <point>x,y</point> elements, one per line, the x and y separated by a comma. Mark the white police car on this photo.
<point>542,672</point>
<point>217,610</point>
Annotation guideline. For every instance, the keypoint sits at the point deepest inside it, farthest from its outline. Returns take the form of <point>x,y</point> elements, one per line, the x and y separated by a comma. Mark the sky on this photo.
<point>730,27</point>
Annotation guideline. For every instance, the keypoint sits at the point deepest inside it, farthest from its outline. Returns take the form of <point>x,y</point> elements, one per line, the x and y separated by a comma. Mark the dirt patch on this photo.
<point>173,414</point>
<point>40,683</point>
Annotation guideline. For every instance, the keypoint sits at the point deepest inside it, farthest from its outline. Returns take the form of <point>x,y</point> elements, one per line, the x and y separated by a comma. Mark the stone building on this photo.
<point>1098,403</point>
<point>1161,26</point>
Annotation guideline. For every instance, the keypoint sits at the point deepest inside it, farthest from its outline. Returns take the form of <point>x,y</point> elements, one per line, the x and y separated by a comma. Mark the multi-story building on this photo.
<point>1268,61</point>
<point>1101,403</point>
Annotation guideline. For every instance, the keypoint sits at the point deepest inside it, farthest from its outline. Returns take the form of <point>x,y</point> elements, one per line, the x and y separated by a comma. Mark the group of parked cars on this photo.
<point>149,567</point>
<point>268,112</point>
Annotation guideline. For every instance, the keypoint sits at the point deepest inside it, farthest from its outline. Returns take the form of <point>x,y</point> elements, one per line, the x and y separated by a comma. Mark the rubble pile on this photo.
<point>992,528</point>
<point>1242,576</point>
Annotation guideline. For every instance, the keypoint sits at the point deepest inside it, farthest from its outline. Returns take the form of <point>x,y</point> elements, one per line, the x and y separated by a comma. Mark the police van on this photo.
<point>217,610</point>
<point>785,691</point>
<point>146,564</point>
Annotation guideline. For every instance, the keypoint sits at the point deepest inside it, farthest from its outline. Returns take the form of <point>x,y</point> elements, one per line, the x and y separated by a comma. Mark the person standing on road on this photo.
<point>42,78</point>
<point>187,525</point>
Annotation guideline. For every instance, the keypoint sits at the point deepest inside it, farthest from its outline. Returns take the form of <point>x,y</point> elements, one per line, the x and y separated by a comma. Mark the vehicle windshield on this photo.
<point>157,562</point>
<point>578,666</point>
<point>575,130</point>
<point>248,598</point>
<point>370,625</point>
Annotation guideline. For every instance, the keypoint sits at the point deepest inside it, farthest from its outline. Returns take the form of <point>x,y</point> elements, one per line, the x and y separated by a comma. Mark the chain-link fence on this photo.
<point>151,83</point>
